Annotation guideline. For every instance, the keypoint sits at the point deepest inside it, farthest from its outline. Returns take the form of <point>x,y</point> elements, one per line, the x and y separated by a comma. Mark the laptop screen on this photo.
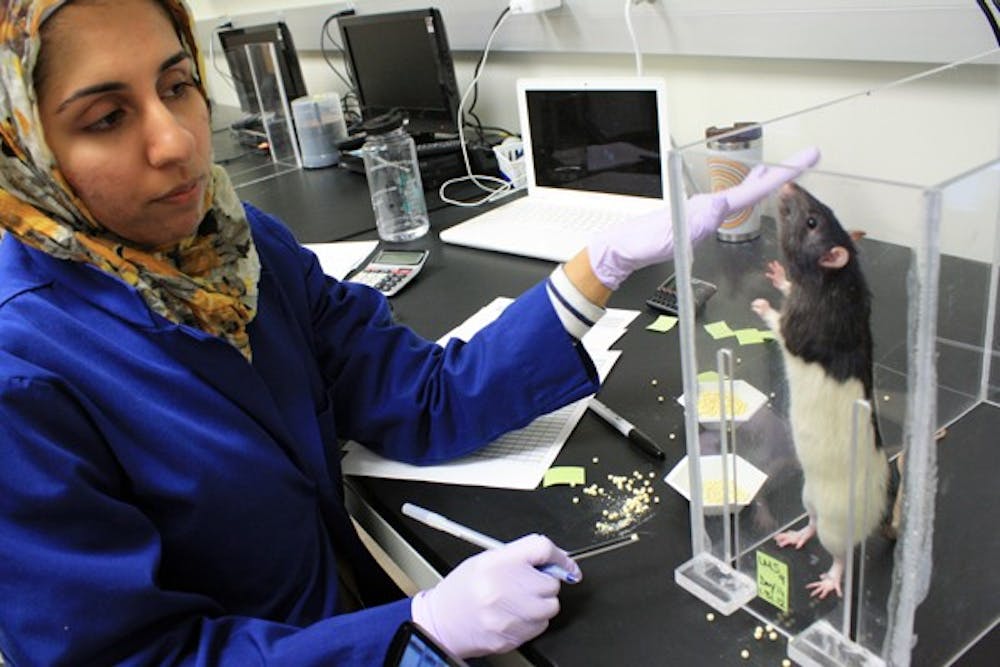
<point>596,141</point>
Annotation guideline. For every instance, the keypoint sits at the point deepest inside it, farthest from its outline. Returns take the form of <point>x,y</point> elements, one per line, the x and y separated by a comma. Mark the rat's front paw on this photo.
<point>762,307</point>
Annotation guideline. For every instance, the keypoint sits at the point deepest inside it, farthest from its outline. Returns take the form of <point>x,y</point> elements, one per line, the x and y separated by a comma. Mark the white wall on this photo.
<point>927,131</point>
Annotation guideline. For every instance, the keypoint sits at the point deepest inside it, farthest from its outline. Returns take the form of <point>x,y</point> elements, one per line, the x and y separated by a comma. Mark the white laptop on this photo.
<point>595,153</point>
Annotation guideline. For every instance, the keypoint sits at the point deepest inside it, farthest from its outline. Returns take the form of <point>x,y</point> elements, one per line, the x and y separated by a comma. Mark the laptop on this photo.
<point>595,155</point>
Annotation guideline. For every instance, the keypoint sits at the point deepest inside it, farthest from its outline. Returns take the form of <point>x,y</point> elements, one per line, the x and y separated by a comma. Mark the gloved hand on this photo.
<point>496,600</point>
<point>649,239</point>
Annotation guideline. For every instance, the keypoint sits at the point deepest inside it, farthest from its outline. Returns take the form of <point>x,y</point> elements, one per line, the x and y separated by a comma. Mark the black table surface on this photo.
<point>628,609</point>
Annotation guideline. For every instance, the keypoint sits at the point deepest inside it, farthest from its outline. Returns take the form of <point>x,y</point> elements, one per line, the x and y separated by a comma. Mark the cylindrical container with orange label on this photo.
<point>731,155</point>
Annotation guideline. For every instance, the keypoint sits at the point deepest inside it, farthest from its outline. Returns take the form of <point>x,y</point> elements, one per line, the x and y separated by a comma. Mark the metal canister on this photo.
<point>732,152</point>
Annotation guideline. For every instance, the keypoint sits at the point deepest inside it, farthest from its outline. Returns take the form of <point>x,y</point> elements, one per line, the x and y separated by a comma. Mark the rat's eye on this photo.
<point>811,222</point>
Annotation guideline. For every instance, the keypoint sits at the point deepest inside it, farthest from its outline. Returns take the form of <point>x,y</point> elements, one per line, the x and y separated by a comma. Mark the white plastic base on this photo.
<point>820,645</point>
<point>715,583</point>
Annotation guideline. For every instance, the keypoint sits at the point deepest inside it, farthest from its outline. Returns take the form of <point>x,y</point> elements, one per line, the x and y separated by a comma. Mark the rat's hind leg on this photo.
<point>828,582</point>
<point>798,538</point>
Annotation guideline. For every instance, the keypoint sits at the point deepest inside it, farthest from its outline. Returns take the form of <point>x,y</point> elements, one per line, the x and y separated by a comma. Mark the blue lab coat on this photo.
<point>164,501</point>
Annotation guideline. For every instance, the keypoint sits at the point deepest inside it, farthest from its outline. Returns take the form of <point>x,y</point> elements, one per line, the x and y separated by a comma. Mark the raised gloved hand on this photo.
<point>496,600</point>
<point>649,239</point>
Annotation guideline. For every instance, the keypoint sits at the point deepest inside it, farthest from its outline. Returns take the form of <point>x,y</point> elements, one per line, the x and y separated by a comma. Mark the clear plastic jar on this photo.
<point>394,180</point>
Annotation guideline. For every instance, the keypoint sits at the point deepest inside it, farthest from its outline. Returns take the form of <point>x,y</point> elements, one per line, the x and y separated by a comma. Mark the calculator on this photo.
<point>665,296</point>
<point>391,270</point>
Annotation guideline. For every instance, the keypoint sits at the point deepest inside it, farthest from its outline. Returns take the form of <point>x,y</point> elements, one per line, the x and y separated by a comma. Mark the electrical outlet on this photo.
<point>533,6</point>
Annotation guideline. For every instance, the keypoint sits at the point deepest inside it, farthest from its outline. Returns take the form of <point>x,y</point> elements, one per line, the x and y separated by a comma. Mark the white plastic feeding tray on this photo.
<point>747,401</point>
<point>748,480</point>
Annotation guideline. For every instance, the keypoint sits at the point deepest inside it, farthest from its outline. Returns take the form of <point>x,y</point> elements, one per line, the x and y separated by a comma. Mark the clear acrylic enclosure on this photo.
<point>923,205</point>
<point>277,129</point>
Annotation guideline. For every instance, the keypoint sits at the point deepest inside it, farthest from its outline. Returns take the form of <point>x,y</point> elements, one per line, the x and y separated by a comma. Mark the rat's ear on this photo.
<point>856,234</point>
<point>835,258</point>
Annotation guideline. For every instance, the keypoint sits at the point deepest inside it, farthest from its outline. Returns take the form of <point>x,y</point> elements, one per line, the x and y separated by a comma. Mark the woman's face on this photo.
<point>124,118</point>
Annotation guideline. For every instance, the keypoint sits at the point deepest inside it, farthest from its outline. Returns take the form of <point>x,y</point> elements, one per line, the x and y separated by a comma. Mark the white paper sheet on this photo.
<point>340,258</point>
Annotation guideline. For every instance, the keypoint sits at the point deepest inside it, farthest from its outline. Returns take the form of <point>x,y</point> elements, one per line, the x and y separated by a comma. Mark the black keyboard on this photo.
<point>438,147</point>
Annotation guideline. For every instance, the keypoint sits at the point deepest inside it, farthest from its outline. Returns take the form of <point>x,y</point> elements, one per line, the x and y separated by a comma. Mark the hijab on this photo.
<point>207,281</point>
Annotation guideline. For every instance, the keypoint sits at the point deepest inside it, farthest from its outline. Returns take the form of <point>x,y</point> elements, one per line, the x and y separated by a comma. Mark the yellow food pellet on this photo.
<point>712,493</point>
<point>659,398</point>
<point>745,654</point>
<point>709,404</point>
<point>656,499</point>
<point>709,616</point>
<point>786,663</point>
<point>651,475</point>
<point>595,459</point>
<point>886,397</point>
<point>672,436</point>
<point>653,382</point>
<point>773,636</point>
<point>738,360</point>
<point>768,628</point>
<point>758,632</point>
<point>575,500</point>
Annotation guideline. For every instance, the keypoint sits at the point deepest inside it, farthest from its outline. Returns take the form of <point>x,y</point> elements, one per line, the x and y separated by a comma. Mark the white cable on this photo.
<point>631,34</point>
<point>506,187</point>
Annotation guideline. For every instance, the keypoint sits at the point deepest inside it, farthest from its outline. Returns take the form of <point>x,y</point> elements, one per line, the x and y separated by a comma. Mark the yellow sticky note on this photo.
<point>662,324</point>
<point>767,334</point>
<point>719,330</point>
<point>748,336</point>
<point>571,475</point>
<point>772,580</point>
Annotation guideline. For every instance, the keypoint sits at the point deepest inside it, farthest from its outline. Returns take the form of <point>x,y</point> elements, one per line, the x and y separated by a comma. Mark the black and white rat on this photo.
<point>825,334</point>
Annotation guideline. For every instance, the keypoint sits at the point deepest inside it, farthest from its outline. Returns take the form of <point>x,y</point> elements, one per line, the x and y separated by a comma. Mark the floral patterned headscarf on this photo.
<point>209,281</point>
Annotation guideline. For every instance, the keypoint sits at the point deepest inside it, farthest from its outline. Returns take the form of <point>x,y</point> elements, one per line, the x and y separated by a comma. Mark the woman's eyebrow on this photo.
<point>110,86</point>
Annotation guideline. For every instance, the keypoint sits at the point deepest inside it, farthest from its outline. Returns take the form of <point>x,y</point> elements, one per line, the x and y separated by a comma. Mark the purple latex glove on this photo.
<point>649,239</point>
<point>496,600</point>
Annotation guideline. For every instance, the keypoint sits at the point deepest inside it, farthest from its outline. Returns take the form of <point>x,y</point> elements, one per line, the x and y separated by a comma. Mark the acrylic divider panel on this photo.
<point>277,128</point>
<point>920,204</point>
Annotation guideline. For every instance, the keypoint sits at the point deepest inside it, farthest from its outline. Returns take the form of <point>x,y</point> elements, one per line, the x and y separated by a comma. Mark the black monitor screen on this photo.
<point>233,42</point>
<point>401,60</point>
<point>596,140</point>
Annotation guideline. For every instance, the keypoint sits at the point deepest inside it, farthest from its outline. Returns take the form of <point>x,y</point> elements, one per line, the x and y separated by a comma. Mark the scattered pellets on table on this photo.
<point>886,397</point>
<point>672,436</point>
<point>758,632</point>
<point>595,459</point>
<point>575,500</point>
<point>659,398</point>
<point>653,382</point>
<point>709,616</point>
<point>786,663</point>
<point>773,636</point>
<point>745,654</point>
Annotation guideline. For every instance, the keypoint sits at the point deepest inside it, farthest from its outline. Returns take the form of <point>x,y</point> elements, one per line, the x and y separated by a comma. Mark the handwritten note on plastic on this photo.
<point>772,580</point>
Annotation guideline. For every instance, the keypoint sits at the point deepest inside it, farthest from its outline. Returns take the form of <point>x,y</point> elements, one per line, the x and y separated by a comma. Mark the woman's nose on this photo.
<point>167,138</point>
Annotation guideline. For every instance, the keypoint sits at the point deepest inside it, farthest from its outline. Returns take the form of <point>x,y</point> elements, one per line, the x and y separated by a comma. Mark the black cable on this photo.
<point>325,32</point>
<point>990,18</point>
<point>475,87</point>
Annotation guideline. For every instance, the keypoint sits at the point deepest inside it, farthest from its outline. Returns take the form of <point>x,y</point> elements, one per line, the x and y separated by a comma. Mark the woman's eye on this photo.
<point>107,122</point>
<point>811,222</point>
<point>178,89</point>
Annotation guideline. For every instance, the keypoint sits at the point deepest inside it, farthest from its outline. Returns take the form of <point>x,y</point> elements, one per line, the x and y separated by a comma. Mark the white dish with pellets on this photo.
<point>745,402</point>
<point>745,480</point>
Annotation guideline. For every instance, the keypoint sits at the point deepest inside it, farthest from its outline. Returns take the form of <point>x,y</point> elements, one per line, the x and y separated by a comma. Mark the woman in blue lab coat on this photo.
<point>175,372</point>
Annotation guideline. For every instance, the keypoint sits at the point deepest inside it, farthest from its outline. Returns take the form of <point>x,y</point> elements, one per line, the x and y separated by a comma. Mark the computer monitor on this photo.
<point>233,41</point>
<point>401,60</point>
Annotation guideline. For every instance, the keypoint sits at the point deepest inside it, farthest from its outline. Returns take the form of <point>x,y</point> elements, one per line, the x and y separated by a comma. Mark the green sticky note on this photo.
<point>571,475</point>
<point>767,334</point>
<point>662,324</point>
<point>708,376</point>
<point>772,580</point>
<point>748,336</point>
<point>719,330</point>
